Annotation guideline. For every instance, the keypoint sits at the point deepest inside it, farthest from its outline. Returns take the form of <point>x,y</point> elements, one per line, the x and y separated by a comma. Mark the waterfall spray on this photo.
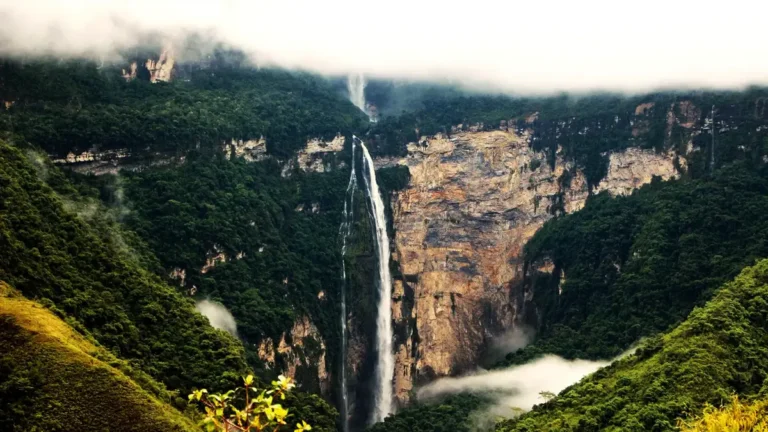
<point>385,365</point>
<point>344,230</point>
<point>356,88</point>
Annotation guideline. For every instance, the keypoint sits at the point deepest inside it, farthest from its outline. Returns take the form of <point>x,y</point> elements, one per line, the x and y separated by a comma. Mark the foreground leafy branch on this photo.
<point>735,417</point>
<point>258,412</point>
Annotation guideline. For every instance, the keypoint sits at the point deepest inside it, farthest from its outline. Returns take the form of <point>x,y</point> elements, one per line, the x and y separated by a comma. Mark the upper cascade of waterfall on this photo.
<point>385,365</point>
<point>356,88</point>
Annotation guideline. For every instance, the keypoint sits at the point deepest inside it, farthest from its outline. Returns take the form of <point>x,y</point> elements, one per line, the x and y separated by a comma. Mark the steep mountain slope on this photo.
<point>719,350</point>
<point>84,268</point>
<point>55,379</point>
<point>77,106</point>
<point>472,202</point>
<point>624,268</point>
<point>481,188</point>
<point>260,237</point>
<point>264,245</point>
<point>65,250</point>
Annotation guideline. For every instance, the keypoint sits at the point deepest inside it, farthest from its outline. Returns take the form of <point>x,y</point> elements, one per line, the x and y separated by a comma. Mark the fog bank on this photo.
<point>218,315</point>
<point>513,390</point>
<point>544,46</point>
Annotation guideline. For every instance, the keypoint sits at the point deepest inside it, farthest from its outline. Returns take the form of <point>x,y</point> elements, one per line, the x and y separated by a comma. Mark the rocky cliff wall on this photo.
<point>299,354</point>
<point>473,201</point>
<point>317,156</point>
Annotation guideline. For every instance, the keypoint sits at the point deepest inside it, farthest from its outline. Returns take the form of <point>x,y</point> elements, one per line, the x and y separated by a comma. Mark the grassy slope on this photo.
<point>720,350</point>
<point>53,378</point>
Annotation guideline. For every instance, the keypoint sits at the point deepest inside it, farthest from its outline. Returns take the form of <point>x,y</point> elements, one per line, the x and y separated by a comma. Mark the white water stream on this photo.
<point>385,364</point>
<point>356,88</point>
<point>344,230</point>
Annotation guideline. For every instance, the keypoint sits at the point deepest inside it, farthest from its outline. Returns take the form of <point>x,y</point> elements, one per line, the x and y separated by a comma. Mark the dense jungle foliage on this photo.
<point>629,267</point>
<point>76,105</point>
<point>84,267</point>
<point>720,350</point>
<point>279,236</point>
<point>63,249</point>
<point>53,378</point>
<point>451,414</point>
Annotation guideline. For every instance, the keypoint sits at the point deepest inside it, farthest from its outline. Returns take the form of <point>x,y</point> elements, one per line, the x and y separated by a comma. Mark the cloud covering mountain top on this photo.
<point>541,46</point>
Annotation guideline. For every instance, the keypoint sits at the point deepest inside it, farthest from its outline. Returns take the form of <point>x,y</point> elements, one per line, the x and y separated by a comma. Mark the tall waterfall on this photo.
<point>356,88</point>
<point>385,365</point>
<point>344,230</point>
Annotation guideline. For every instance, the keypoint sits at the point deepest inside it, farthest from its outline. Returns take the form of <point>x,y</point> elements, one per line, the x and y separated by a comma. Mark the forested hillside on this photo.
<point>81,267</point>
<point>280,236</point>
<point>54,379</point>
<point>718,351</point>
<point>629,267</point>
<point>61,248</point>
<point>76,105</point>
<point>122,258</point>
<point>586,128</point>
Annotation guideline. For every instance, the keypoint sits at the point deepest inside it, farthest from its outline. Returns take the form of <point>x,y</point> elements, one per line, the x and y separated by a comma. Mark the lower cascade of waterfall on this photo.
<point>344,230</point>
<point>385,364</point>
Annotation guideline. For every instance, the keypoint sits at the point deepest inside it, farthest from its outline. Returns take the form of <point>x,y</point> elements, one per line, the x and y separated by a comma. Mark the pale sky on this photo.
<point>531,46</point>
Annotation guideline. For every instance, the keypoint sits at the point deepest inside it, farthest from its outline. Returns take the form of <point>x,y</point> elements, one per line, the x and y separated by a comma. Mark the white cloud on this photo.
<point>508,342</point>
<point>546,45</point>
<point>218,315</point>
<point>518,387</point>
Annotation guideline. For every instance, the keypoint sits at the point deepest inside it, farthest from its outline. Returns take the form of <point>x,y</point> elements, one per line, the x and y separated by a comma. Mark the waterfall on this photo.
<point>385,364</point>
<point>356,89</point>
<point>344,230</point>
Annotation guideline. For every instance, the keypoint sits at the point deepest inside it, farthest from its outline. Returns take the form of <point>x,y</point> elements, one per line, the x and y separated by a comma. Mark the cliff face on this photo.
<point>473,201</point>
<point>160,69</point>
<point>317,156</point>
<point>300,354</point>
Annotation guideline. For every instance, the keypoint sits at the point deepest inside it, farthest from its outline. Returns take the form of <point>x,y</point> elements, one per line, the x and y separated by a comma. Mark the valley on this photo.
<point>189,223</point>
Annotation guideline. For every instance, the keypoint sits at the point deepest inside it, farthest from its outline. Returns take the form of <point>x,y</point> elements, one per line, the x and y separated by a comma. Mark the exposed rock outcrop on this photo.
<point>111,161</point>
<point>130,73</point>
<point>317,156</point>
<point>306,350</point>
<point>632,168</point>
<point>162,68</point>
<point>473,201</point>
<point>250,150</point>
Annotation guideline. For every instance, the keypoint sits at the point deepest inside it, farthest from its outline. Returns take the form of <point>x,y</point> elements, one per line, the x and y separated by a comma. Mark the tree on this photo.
<point>258,412</point>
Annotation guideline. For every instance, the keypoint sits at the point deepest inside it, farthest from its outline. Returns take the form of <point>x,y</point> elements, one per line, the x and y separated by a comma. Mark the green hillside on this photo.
<point>630,267</point>
<point>84,266</point>
<point>53,378</point>
<point>75,105</point>
<point>720,350</point>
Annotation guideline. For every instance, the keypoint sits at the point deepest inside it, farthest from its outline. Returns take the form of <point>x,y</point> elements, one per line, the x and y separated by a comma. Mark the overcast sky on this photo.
<point>522,46</point>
